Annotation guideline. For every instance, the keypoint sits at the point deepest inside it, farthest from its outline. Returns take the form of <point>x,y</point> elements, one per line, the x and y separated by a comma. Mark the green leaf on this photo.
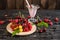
<point>39,24</point>
<point>14,33</point>
<point>43,24</point>
<point>46,25</point>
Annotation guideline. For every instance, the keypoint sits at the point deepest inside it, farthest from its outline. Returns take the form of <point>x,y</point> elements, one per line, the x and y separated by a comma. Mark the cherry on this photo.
<point>16,20</point>
<point>29,17</point>
<point>13,26</point>
<point>10,20</point>
<point>26,29</point>
<point>1,22</point>
<point>24,24</point>
<point>50,23</point>
<point>46,20</point>
<point>40,30</point>
<point>36,22</point>
<point>20,20</point>
<point>56,19</point>
<point>29,26</point>
<point>49,20</point>
<point>25,20</point>
<point>44,29</point>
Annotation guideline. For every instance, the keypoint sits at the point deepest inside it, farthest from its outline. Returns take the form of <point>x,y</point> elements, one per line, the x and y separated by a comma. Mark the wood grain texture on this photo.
<point>3,4</point>
<point>21,4</point>
<point>11,4</point>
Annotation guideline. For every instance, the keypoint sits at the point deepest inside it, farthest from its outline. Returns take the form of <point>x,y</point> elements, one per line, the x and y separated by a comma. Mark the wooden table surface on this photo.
<point>49,35</point>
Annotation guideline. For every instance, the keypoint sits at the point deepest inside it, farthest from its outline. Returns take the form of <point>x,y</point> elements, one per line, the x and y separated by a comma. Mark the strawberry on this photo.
<point>16,20</point>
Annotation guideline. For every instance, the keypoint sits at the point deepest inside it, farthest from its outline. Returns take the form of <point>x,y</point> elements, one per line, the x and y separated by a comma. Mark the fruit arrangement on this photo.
<point>21,25</point>
<point>43,24</point>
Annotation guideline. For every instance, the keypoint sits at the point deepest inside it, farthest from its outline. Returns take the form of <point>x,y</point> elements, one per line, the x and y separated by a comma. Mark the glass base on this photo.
<point>32,20</point>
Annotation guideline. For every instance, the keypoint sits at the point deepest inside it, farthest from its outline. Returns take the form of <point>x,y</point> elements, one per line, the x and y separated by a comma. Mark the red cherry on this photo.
<point>10,20</point>
<point>29,26</point>
<point>56,19</point>
<point>40,31</point>
<point>44,29</point>
<point>36,22</point>
<point>25,29</point>
<point>24,25</point>
<point>25,20</point>
<point>49,20</point>
<point>16,20</point>
<point>1,22</point>
<point>29,17</point>
<point>50,23</point>
<point>12,27</point>
<point>20,19</point>
<point>46,20</point>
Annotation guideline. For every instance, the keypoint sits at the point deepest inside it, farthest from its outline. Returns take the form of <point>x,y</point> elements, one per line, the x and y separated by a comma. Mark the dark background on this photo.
<point>20,4</point>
